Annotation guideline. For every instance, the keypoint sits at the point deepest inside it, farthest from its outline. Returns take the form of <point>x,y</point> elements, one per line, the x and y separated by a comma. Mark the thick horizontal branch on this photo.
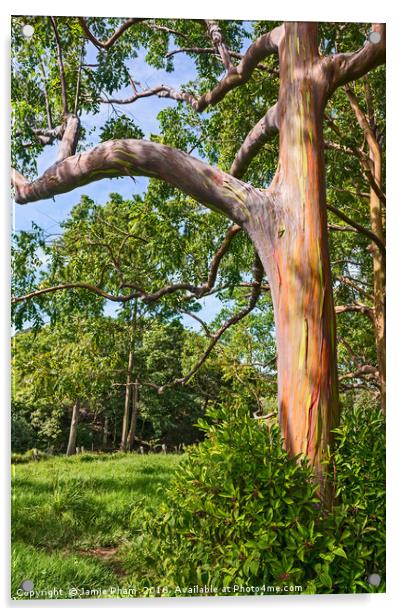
<point>362,308</point>
<point>347,67</point>
<point>130,157</point>
<point>255,140</point>
<point>362,119</point>
<point>363,371</point>
<point>112,39</point>
<point>161,91</point>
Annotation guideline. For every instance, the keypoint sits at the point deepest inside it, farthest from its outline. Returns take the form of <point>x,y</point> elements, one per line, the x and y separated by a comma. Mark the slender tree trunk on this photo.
<point>133,422</point>
<point>292,242</point>
<point>125,423</point>
<point>71,447</point>
<point>378,228</point>
<point>379,265</point>
<point>126,413</point>
<point>105,432</point>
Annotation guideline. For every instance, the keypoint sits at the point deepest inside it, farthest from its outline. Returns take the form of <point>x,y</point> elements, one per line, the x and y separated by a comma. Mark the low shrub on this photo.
<point>241,513</point>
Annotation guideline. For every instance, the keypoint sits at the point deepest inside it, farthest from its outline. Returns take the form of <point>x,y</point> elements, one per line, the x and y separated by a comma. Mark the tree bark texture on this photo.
<point>290,234</point>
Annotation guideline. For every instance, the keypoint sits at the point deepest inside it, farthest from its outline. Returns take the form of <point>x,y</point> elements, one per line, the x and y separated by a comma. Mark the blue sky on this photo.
<point>48,214</point>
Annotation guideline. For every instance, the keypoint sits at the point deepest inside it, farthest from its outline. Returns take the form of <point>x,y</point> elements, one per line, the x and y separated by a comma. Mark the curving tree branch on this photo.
<point>264,46</point>
<point>213,51</point>
<point>128,157</point>
<point>112,39</point>
<point>254,141</point>
<point>345,67</point>
<point>61,66</point>
<point>362,308</point>
<point>215,34</point>
<point>139,293</point>
<point>214,338</point>
<point>363,230</point>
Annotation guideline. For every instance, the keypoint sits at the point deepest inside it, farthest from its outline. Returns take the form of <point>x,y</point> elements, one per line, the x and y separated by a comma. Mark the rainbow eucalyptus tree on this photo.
<point>286,220</point>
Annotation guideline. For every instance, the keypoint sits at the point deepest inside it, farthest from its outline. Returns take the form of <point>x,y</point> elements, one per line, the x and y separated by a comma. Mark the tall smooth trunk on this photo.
<point>105,432</point>
<point>126,412</point>
<point>71,447</point>
<point>133,421</point>
<point>292,241</point>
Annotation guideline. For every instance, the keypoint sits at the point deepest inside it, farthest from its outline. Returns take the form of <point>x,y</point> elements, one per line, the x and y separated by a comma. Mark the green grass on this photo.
<point>73,519</point>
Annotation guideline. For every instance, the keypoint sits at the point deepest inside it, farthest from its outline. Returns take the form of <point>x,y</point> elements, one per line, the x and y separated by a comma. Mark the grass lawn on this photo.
<point>73,519</point>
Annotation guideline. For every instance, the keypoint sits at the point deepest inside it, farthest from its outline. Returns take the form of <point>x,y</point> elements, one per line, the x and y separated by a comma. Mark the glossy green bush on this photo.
<point>240,512</point>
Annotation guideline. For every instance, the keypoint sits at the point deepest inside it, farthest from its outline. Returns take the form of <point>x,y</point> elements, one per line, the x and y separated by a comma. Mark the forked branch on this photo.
<point>264,46</point>
<point>112,39</point>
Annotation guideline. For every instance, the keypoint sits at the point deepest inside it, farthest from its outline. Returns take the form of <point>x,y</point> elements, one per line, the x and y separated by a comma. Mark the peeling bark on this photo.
<point>130,157</point>
<point>292,241</point>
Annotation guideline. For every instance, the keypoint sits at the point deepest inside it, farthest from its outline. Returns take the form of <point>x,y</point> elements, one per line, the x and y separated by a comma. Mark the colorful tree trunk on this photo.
<point>291,237</point>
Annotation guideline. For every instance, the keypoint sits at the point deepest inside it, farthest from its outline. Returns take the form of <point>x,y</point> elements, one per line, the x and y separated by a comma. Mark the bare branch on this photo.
<point>232,231</point>
<point>71,131</point>
<point>340,228</point>
<point>361,156</point>
<point>362,371</point>
<point>75,285</point>
<point>112,39</point>
<point>350,282</point>
<point>45,93</point>
<point>362,308</point>
<point>213,51</point>
<point>361,119</point>
<point>78,85</point>
<point>199,320</point>
<point>161,91</point>
<point>215,34</point>
<point>363,230</point>
<point>214,338</point>
<point>264,46</point>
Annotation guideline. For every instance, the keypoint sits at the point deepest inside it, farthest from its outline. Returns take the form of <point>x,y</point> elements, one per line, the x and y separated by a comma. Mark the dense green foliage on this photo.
<point>240,513</point>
